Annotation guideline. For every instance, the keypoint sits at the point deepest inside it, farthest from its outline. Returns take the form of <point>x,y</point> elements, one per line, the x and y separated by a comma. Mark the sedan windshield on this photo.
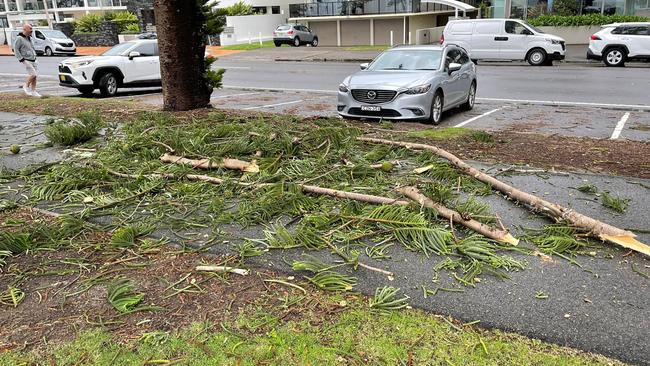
<point>118,49</point>
<point>407,60</point>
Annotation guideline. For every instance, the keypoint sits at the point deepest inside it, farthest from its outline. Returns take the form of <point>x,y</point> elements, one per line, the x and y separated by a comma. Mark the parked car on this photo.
<point>295,35</point>
<point>49,42</point>
<point>148,35</point>
<point>617,43</point>
<point>504,39</point>
<point>410,83</point>
<point>130,64</point>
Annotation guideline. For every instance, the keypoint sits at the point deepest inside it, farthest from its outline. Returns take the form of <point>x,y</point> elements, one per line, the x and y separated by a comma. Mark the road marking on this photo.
<point>477,117</point>
<point>233,95</point>
<point>273,105</point>
<point>25,76</point>
<point>619,126</point>
<point>555,102</point>
<point>232,67</point>
<point>262,88</point>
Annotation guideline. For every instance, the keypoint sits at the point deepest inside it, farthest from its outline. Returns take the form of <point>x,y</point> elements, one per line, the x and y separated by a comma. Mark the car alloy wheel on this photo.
<point>48,51</point>
<point>111,85</point>
<point>436,109</point>
<point>296,42</point>
<point>537,57</point>
<point>472,96</point>
<point>614,57</point>
<point>314,43</point>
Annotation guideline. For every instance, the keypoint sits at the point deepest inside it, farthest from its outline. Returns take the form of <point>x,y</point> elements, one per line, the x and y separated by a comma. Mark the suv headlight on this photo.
<point>552,41</point>
<point>81,64</point>
<point>343,88</point>
<point>420,89</point>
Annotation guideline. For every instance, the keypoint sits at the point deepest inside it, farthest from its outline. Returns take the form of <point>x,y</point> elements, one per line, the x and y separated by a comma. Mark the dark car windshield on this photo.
<point>407,60</point>
<point>537,30</point>
<point>118,49</point>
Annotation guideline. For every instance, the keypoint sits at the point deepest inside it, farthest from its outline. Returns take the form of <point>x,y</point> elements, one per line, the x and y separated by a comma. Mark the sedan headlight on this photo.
<point>553,41</point>
<point>343,88</point>
<point>81,64</point>
<point>420,89</point>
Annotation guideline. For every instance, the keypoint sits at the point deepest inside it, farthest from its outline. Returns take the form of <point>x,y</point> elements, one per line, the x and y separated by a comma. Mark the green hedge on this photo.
<point>577,20</point>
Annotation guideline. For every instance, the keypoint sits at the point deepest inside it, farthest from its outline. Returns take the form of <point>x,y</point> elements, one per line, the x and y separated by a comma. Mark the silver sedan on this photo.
<point>410,83</point>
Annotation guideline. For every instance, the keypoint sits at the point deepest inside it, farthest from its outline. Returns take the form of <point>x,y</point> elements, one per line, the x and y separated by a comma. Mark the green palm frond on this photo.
<point>122,296</point>
<point>16,243</point>
<point>478,248</point>
<point>12,297</point>
<point>249,249</point>
<point>557,239</point>
<point>126,236</point>
<point>614,203</point>
<point>312,264</point>
<point>332,281</point>
<point>385,299</point>
<point>304,236</point>
<point>4,254</point>
<point>395,216</point>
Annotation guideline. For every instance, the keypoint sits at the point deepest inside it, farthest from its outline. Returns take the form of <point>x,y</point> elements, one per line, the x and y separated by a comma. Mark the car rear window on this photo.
<point>284,27</point>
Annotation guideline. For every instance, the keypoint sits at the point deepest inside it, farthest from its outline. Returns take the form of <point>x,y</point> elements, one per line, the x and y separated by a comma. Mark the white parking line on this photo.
<point>555,102</point>
<point>273,105</point>
<point>262,88</point>
<point>619,126</point>
<point>233,95</point>
<point>477,117</point>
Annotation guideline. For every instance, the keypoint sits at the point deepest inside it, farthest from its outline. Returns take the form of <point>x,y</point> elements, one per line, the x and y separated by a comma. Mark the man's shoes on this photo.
<point>35,94</point>
<point>27,90</point>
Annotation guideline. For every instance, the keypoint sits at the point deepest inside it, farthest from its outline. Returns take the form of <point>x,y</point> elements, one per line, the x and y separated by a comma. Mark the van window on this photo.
<point>515,27</point>
<point>462,27</point>
<point>487,28</point>
<point>39,35</point>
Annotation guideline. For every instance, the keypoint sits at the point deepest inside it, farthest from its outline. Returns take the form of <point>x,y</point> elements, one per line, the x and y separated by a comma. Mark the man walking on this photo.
<point>24,51</point>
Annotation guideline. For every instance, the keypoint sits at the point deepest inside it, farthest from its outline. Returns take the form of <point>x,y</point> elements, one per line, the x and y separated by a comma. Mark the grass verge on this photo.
<point>248,47</point>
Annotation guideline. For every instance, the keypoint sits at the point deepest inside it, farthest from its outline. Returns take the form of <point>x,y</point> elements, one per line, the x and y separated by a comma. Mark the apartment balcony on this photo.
<point>365,7</point>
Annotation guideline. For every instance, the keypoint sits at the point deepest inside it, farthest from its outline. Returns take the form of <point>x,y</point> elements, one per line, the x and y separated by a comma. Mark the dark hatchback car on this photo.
<point>295,35</point>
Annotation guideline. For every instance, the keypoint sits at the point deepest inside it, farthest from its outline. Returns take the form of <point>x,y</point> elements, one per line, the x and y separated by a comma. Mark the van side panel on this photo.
<point>484,40</point>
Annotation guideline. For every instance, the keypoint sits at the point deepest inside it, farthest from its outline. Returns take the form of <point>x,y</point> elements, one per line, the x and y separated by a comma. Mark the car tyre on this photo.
<point>314,42</point>
<point>296,42</point>
<point>536,57</point>
<point>48,51</point>
<point>614,57</point>
<point>87,91</point>
<point>471,97</point>
<point>435,116</point>
<point>108,85</point>
<point>277,44</point>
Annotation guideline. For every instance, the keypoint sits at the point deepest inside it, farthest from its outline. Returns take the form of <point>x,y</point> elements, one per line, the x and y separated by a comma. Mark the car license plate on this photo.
<point>62,77</point>
<point>370,108</point>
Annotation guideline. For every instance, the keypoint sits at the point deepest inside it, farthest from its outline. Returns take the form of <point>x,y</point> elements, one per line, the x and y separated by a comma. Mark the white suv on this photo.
<point>131,64</point>
<point>617,43</point>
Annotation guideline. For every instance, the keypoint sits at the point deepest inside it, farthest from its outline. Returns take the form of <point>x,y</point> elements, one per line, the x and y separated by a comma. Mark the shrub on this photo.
<point>124,20</point>
<point>580,20</point>
<point>239,8</point>
<point>88,24</point>
<point>132,29</point>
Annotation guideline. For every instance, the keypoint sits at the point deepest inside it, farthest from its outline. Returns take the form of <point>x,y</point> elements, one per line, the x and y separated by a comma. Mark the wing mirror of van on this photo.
<point>453,67</point>
<point>363,66</point>
<point>133,54</point>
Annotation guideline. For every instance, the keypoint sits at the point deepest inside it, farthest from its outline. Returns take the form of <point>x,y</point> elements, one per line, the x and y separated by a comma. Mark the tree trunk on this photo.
<point>182,50</point>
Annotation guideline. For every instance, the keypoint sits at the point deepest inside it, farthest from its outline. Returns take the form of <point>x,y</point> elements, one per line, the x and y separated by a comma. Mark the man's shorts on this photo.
<point>31,67</point>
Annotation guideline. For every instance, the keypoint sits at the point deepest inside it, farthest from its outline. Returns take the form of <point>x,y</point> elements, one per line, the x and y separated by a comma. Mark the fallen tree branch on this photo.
<point>222,269</point>
<point>244,166</point>
<point>596,228</point>
<point>485,230</point>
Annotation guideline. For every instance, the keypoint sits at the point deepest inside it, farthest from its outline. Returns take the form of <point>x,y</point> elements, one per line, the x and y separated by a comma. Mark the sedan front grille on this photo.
<point>371,96</point>
<point>382,113</point>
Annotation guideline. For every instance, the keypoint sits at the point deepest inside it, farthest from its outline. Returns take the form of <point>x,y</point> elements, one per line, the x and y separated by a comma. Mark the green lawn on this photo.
<point>354,336</point>
<point>247,47</point>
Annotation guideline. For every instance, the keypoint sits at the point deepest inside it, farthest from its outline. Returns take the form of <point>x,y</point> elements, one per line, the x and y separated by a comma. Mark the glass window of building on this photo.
<point>275,10</point>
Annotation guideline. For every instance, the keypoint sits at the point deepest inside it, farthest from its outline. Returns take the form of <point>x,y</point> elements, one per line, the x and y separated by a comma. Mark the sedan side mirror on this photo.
<point>133,54</point>
<point>453,67</point>
<point>364,66</point>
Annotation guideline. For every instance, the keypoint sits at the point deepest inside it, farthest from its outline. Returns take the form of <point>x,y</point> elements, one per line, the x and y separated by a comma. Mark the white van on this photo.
<point>48,42</point>
<point>504,39</point>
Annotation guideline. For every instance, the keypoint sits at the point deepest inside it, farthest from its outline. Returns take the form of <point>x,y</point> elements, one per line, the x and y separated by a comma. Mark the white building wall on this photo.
<point>249,27</point>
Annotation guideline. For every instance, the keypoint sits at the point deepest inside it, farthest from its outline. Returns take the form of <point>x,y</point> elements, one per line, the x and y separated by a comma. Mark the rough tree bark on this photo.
<point>181,42</point>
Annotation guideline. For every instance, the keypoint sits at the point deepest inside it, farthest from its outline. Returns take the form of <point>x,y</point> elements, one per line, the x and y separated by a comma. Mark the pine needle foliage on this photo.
<point>332,281</point>
<point>557,239</point>
<point>126,236</point>
<point>614,203</point>
<point>122,296</point>
<point>74,131</point>
<point>386,300</point>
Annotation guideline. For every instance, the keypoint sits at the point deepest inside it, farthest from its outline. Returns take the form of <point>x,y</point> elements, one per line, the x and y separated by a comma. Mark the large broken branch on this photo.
<point>234,164</point>
<point>485,230</point>
<point>596,228</point>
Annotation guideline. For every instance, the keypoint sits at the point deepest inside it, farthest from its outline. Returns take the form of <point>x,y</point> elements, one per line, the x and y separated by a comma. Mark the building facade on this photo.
<point>13,13</point>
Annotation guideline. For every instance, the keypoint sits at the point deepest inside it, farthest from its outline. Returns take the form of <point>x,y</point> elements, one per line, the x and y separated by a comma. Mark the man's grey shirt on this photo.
<point>24,48</point>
